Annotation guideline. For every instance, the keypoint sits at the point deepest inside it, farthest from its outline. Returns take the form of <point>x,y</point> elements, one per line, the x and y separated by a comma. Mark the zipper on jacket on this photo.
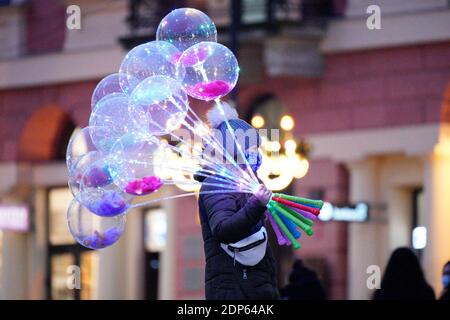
<point>244,274</point>
<point>234,257</point>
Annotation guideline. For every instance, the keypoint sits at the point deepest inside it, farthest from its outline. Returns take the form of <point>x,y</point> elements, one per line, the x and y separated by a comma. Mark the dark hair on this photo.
<point>403,278</point>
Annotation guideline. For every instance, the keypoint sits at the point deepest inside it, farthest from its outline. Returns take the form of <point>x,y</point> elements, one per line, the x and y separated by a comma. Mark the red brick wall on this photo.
<point>368,89</point>
<point>371,89</point>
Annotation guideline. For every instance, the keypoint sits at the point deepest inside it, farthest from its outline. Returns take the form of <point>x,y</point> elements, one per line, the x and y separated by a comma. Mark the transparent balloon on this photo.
<point>109,84</point>
<point>185,27</point>
<point>158,105</point>
<point>137,153</point>
<point>149,59</point>
<point>102,187</point>
<point>80,144</point>
<point>211,70</point>
<point>110,113</point>
<point>92,231</point>
<point>79,169</point>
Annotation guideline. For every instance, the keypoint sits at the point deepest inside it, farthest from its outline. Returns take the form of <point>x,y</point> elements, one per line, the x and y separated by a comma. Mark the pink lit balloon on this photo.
<point>211,70</point>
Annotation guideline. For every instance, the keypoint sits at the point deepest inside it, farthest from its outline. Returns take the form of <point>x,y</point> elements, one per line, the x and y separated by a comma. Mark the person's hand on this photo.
<point>263,194</point>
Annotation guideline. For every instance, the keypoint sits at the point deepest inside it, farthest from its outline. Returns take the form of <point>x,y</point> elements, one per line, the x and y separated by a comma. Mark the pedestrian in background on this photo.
<point>303,284</point>
<point>404,279</point>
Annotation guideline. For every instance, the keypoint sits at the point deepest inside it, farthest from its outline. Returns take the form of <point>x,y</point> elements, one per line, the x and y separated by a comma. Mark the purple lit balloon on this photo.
<point>102,187</point>
<point>93,231</point>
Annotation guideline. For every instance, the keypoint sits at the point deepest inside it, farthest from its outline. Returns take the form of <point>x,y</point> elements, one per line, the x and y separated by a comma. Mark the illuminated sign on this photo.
<point>419,238</point>
<point>14,218</point>
<point>356,213</point>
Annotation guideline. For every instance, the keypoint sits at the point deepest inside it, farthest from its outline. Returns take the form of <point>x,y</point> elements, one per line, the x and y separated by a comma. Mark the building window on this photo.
<point>155,233</point>
<point>59,199</point>
<point>155,239</point>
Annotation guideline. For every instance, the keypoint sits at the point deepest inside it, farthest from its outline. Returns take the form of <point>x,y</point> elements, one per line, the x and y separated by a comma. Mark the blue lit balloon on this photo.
<point>185,27</point>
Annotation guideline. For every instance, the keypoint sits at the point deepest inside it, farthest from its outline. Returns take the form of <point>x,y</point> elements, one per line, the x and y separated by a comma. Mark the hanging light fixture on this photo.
<point>283,160</point>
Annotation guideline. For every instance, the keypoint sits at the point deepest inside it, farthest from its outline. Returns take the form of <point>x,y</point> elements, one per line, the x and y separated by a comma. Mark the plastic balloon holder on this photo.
<point>288,213</point>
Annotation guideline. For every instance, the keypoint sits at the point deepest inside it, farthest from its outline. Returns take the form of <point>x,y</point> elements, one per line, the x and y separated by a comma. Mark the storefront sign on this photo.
<point>356,213</point>
<point>14,218</point>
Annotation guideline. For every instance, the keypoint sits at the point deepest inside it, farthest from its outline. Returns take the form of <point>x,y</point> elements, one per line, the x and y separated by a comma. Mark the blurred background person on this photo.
<point>446,282</point>
<point>303,284</point>
<point>403,279</point>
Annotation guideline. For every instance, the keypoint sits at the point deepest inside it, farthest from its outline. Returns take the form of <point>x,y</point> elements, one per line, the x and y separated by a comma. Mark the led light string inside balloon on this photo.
<point>244,177</point>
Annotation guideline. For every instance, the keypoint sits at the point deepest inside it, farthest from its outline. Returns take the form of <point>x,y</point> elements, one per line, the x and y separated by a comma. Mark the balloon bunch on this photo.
<point>138,125</point>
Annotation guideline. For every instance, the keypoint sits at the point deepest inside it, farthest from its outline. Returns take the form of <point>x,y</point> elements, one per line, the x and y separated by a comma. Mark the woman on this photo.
<point>239,263</point>
<point>404,279</point>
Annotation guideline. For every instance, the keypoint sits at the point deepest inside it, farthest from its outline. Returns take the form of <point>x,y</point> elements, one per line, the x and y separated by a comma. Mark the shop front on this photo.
<point>402,180</point>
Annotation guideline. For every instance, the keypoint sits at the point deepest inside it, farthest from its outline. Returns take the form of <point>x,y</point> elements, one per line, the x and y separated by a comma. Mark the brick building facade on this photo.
<point>362,91</point>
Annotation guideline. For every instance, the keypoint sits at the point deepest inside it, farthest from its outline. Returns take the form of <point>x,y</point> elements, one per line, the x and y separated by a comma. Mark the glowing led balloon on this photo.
<point>109,84</point>
<point>185,27</point>
<point>211,70</point>
<point>158,105</point>
<point>102,188</point>
<point>136,152</point>
<point>80,144</point>
<point>80,168</point>
<point>92,231</point>
<point>155,58</point>
<point>110,113</point>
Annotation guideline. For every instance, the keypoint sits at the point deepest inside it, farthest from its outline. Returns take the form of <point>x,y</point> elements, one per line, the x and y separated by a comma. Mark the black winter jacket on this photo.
<point>228,218</point>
